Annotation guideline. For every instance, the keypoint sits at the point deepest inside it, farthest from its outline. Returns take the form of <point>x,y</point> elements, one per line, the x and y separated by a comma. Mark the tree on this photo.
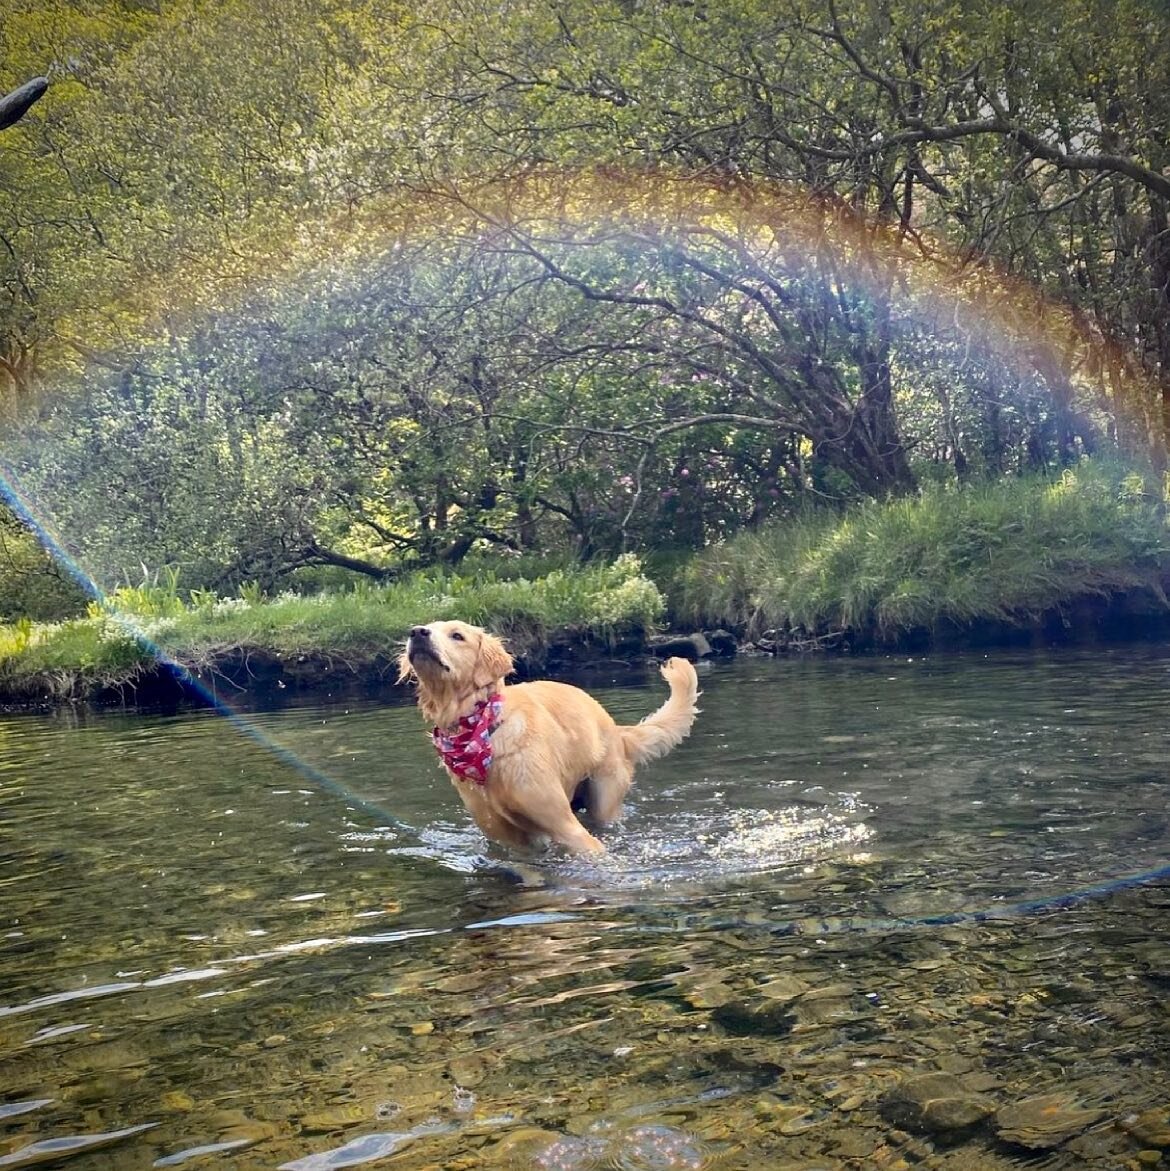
<point>983,134</point>
<point>343,284</point>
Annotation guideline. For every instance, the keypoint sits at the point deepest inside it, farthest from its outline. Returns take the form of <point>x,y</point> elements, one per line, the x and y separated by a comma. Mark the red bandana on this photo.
<point>467,751</point>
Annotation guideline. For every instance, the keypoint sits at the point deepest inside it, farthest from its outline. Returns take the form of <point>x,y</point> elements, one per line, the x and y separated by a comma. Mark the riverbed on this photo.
<point>876,912</point>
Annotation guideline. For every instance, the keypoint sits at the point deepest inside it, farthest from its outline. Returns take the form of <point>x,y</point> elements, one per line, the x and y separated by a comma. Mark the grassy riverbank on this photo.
<point>123,638</point>
<point>1007,553</point>
<point>1003,556</point>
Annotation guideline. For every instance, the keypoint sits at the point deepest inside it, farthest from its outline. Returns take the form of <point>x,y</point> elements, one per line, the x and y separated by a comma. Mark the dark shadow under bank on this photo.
<point>1137,616</point>
<point>257,679</point>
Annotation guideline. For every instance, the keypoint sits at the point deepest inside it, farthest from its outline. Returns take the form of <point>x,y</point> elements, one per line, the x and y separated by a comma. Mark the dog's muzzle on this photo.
<point>419,646</point>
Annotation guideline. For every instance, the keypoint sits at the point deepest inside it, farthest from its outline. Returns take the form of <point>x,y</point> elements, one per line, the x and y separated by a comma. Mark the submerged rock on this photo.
<point>711,994</point>
<point>686,646</point>
<point>755,1018</point>
<point>854,1144</point>
<point>937,1104</point>
<point>1151,1127</point>
<point>783,988</point>
<point>333,1118</point>
<point>1045,1121</point>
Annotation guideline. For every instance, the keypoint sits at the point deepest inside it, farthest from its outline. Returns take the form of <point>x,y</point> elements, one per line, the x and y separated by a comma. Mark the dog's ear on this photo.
<point>492,662</point>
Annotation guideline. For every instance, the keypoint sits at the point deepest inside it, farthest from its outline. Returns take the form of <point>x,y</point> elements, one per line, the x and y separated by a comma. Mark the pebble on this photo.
<point>178,1100</point>
<point>783,987</point>
<point>1151,1127</point>
<point>1044,1121</point>
<point>335,1118</point>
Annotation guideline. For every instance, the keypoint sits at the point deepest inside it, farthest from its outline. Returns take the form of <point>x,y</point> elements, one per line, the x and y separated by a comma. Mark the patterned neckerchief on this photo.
<point>467,751</point>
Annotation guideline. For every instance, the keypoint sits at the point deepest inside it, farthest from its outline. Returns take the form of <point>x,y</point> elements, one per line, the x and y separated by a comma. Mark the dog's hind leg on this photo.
<point>555,819</point>
<point>608,785</point>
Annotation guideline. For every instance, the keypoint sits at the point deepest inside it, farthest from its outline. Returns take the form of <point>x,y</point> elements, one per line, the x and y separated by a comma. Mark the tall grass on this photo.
<point>1009,551</point>
<point>135,626</point>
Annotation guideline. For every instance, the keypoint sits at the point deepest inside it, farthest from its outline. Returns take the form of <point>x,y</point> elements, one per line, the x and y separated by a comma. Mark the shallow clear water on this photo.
<point>873,913</point>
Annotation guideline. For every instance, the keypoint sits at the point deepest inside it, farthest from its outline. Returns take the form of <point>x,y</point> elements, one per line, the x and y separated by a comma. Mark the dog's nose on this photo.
<point>421,633</point>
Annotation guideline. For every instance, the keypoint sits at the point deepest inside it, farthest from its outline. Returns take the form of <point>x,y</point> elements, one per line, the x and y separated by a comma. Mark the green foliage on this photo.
<point>66,659</point>
<point>1010,551</point>
<point>31,585</point>
<point>282,329</point>
<point>17,638</point>
<point>156,596</point>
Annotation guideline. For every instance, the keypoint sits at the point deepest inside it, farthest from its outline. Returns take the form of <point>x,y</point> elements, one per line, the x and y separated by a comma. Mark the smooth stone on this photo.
<point>854,1144</point>
<point>936,1104</point>
<point>798,1123</point>
<point>687,646</point>
<point>467,1071</point>
<point>783,988</point>
<point>335,1118</point>
<point>765,1017</point>
<point>1151,1127</point>
<point>830,992</point>
<point>248,1134</point>
<point>709,996</point>
<point>1044,1122</point>
<point>463,982</point>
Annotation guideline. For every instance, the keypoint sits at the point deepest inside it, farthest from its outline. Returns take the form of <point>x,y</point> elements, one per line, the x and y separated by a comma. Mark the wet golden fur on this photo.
<point>551,736</point>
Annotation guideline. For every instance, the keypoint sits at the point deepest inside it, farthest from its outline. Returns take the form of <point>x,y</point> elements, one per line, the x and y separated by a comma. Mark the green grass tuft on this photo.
<point>1008,551</point>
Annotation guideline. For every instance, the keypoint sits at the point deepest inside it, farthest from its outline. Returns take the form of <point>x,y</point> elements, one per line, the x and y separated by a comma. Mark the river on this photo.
<point>881,912</point>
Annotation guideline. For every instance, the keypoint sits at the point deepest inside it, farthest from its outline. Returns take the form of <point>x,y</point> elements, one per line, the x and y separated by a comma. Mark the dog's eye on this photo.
<point>456,636</point>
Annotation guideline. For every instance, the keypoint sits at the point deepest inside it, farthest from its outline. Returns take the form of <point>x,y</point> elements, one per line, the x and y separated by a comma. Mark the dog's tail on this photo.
<point>661,731</point>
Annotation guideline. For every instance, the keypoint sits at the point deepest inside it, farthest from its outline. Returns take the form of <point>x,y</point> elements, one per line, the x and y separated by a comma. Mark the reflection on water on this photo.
<point>832,931</point>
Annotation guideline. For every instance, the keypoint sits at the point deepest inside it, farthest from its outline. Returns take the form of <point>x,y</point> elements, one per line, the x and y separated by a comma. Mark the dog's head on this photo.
<point>451,661</point>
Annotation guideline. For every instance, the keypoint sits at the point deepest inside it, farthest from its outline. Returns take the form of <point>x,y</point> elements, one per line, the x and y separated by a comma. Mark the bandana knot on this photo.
<point>467,751</point>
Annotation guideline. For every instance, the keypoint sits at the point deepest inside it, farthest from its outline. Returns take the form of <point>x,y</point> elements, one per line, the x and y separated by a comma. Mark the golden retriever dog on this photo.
<point>520,756</point>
